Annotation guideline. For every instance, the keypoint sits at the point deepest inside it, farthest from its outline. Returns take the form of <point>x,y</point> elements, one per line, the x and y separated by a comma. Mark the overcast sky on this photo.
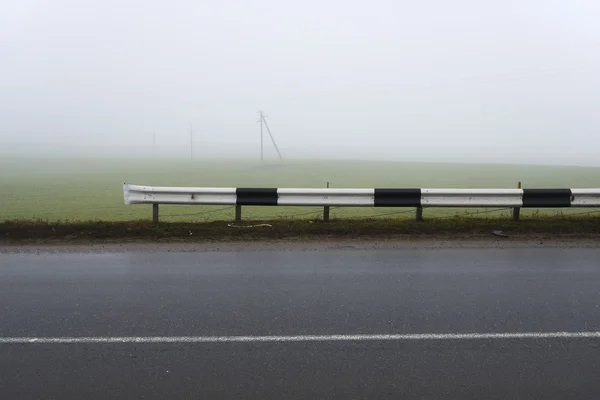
<point>504,81</point>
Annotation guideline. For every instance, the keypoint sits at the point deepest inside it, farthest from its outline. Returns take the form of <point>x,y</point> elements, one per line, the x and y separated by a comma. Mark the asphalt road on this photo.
<point>286,293</point>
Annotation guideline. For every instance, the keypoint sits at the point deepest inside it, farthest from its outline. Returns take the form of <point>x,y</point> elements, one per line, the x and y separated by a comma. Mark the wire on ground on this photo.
<point>486,211</point>
<point>198,213</point>
<point>410,211</point>
<point>315,213</point>
<point>578,213</point>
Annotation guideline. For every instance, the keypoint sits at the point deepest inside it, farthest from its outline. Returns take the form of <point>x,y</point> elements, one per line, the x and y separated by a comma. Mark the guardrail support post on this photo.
<point>419,214</point>
<point>326,210</point>
<point>155,213</point>
<point>516,213</point>
<point>238,213</point>
<point>516,210</point>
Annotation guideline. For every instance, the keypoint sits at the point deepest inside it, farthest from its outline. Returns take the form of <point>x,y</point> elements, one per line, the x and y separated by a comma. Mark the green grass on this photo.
<point>79,189</point>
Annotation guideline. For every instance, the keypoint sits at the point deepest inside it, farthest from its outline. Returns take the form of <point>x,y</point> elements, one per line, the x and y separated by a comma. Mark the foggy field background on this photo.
<point>90,188</point>
<point>91,91</point>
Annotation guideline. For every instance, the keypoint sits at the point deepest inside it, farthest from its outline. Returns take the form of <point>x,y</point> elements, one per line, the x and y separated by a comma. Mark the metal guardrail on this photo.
<point>419,198</point>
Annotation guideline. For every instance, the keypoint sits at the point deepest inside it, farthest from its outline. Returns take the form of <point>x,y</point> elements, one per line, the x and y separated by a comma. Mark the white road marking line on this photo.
<point>300,338</point>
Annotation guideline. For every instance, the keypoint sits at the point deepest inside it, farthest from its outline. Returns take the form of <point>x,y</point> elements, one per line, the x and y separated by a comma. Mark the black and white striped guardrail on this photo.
<point>515,198</point>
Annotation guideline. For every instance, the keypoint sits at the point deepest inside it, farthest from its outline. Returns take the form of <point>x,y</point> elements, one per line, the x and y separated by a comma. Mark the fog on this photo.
<point>474,81</point>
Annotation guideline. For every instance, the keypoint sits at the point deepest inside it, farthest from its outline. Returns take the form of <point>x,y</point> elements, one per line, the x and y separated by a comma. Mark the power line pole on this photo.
<point>191,143</point>
<point>272,139</point>
<point>154,145</point>
<point>261,136</point>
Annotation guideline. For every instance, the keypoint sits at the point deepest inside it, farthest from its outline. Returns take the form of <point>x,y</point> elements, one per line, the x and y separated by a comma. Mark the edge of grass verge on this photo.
<point>15,231</point>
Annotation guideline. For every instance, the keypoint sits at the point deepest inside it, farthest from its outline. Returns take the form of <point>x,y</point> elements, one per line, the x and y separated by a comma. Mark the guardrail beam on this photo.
<point>513,199</point>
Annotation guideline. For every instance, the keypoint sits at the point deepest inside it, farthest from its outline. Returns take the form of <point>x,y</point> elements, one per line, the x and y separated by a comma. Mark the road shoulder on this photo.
<point>407,243</point>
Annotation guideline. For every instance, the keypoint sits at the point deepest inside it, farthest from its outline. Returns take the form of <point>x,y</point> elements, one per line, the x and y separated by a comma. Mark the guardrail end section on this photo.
<point>126,193</point>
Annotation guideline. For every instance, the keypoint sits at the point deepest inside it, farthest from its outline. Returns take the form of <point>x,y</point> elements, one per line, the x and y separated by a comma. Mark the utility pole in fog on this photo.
<point>261,136</point>
<point>154,145</point>
<point>191,143</point>
<point>264,121</point>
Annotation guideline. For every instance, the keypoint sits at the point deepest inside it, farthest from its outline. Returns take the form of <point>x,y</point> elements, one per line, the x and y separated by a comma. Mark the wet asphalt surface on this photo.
<point>298,293</point>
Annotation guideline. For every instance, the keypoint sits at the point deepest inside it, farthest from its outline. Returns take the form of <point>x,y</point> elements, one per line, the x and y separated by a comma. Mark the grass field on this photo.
<point>77,189</point>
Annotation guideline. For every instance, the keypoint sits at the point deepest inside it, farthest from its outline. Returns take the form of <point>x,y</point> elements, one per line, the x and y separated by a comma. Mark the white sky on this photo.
<point>504,81</point>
